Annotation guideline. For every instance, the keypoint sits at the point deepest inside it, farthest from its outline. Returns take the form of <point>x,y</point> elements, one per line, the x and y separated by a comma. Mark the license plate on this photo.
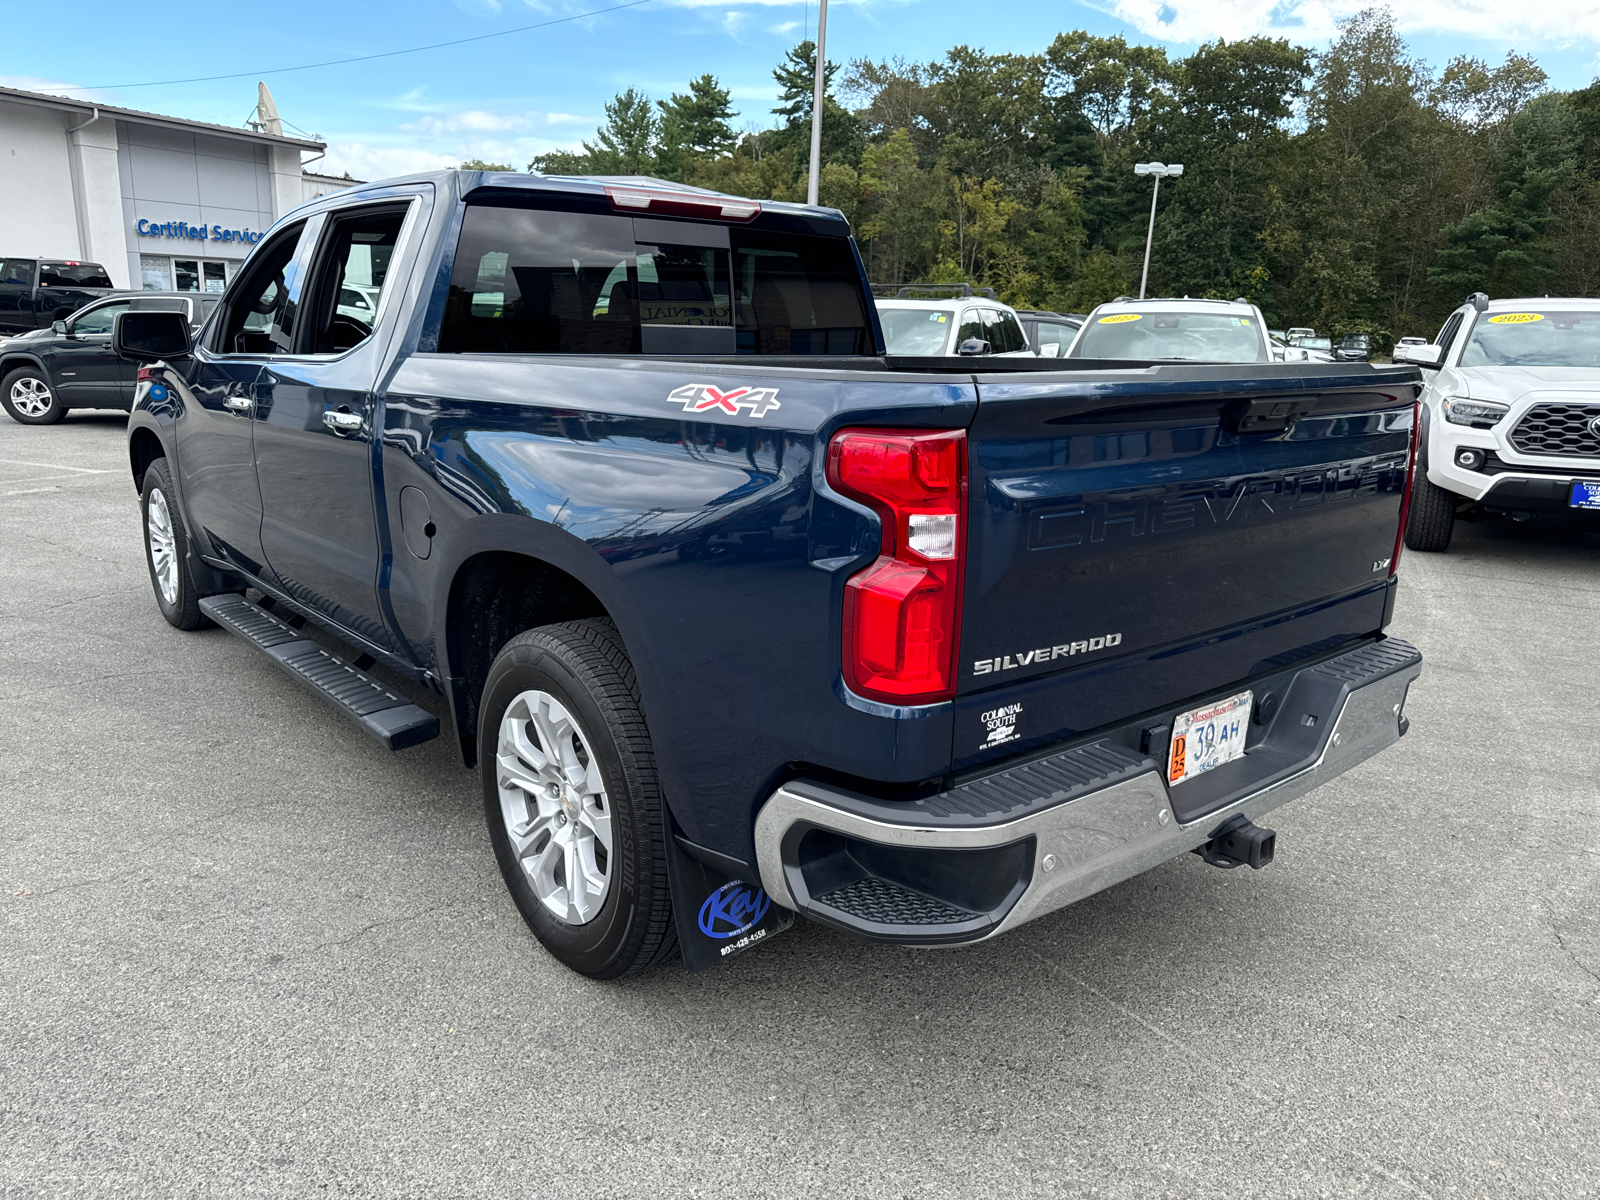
<point>1206,737</point>
<point>1585,495</point>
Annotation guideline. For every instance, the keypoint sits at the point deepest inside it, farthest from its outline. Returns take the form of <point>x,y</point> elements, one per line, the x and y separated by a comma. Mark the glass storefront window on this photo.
<point>215,276</point>
<point>188,274</point>
<point>155,272</point>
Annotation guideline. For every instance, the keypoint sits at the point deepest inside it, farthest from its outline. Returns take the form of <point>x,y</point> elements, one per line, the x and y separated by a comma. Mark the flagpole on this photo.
<point>816,103</point>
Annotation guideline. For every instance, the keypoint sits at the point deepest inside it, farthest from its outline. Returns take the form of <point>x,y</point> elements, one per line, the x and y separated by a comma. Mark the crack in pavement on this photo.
<point>1569,952</point>
<point>1195,1055</point>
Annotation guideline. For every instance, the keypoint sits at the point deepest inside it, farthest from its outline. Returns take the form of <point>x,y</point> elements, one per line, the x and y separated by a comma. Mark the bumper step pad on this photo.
<point>390,719</point>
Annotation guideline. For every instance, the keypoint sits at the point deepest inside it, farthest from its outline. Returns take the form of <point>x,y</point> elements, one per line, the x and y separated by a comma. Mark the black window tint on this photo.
<point>534,282</point>
<point>1003,332</point>
<point>260,317</point>
<point>73,274</point>
<point>98,320</point>
<point>971,327</point>
<point>354,265</point>
<point>18,271</point>
<point>539,282</point>
<point>1448,333</point>
<point>797,294</point>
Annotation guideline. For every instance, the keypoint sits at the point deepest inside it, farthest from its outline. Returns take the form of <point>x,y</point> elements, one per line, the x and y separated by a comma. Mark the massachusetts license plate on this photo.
<point>1585,495</point>
<point>1206,737</point>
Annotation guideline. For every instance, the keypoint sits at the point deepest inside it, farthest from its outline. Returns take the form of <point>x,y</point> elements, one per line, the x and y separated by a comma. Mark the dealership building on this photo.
<point>161,202</point>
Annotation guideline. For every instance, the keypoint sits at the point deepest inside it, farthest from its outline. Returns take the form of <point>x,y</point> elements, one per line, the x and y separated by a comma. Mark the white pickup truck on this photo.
<point>1510,416</point>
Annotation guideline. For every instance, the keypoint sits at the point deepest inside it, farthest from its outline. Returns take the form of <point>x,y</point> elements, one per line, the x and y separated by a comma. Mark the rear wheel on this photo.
<point>29,398</point>
<point>573,801</point>
<point>166,550</point>
<point>1433,516</point>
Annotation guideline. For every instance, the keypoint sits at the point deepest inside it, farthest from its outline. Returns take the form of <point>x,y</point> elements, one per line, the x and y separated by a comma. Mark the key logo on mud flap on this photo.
<point>702,397</point>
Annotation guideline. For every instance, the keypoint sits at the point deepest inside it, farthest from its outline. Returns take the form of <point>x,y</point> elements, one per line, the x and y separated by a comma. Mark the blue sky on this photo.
<point>510,97</point>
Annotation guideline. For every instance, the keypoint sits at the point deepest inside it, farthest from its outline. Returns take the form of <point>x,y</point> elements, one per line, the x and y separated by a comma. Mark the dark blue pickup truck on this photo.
<point>740,618</point>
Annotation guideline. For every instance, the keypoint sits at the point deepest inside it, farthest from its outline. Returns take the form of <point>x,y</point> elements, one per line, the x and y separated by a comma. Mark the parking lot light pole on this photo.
<point>1158,170</point>
<point>816,103</point>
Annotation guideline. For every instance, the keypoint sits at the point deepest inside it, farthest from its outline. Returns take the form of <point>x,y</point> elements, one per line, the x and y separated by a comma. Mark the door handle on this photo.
<point>238,403</point>
<point>342,422</point>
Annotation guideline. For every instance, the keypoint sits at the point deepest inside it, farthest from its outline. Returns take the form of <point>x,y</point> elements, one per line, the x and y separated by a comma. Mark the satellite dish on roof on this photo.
<point>267,112</point>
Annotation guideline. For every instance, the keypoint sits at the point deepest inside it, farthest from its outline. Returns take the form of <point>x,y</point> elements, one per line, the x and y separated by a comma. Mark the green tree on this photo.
<point>1500,249</point>
<point>626,143</point>
<point>477,164</point>
<point>694,125</point>
<point>843,135</point>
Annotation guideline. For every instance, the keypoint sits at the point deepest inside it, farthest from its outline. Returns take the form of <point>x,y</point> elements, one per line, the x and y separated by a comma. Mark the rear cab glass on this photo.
<point>73,274</point>
<point>535,281</point>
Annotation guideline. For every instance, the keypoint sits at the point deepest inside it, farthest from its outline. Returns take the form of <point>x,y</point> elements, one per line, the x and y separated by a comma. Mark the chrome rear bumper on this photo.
<point>1102,815</point>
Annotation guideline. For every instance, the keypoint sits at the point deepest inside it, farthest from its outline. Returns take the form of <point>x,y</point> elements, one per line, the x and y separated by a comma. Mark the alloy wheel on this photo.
<point>31,397</point>
<point>555,807</point>
<point>163,546</point>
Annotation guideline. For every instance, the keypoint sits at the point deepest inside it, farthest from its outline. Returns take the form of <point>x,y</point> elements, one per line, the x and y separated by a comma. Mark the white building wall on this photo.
<point>92,151</point>
<point>38,217</point>
<point>288,183</point>
<point>173,175</point>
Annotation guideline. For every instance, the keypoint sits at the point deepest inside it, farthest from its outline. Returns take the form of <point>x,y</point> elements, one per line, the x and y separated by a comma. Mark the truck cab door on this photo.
<point>214,430</point>
<point>16,294</point>
<point>87,372</point>
<point>317,422</point>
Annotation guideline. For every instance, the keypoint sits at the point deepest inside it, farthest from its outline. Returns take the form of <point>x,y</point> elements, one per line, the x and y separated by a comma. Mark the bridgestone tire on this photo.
<point>54,411</point>
<point>182,610</point>
<point>583,666</point>
<point>1433,516</point>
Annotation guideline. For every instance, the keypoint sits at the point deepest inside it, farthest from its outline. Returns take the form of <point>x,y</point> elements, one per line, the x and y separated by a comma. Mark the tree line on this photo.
<point>1354,189</point>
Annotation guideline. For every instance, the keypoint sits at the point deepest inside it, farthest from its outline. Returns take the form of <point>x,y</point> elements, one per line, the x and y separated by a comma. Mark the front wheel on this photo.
<point>1433,516</point>
<point>573,801</point>
<point>29,398</point>
<point>166,550</point>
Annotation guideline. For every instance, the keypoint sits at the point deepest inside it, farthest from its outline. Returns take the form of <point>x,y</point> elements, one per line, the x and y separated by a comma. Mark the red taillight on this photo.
<point>902,614</point>
<point>1411,480</point>
<point>681,204</point>
<point>144,375</point>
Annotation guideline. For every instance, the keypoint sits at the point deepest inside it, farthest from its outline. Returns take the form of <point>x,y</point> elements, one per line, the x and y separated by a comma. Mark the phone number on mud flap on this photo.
<point>749,939</point>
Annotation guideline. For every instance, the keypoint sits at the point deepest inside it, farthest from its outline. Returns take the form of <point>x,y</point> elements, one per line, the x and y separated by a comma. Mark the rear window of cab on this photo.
<point>534,281</point>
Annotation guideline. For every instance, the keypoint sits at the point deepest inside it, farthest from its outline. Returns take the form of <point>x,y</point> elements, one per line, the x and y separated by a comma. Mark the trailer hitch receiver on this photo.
<point>1238,843</point>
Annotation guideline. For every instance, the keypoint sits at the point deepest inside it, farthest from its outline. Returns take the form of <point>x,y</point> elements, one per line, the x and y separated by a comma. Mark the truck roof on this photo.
<point>595,186</point>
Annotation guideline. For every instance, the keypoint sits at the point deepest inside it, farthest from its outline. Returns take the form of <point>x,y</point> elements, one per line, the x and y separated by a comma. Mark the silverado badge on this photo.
<point>702,397</point>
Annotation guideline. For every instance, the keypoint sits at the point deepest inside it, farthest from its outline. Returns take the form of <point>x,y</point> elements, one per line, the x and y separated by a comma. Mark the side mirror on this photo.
<point>973,346</point>
<point>149,336</point>
<point>59,328</point>
<point>1419,356</point>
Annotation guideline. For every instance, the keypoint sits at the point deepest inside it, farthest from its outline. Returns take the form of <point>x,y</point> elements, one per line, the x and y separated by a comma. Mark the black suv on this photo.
<point>72,365</point>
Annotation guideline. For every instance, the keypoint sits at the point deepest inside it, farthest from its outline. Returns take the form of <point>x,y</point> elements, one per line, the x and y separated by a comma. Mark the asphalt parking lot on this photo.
<point>244,951</point>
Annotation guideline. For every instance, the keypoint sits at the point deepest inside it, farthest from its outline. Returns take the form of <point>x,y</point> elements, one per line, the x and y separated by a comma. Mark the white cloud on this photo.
<point>1190,21</point>
<point>54,87</point>
<point>365,161</point>
<point>784,28</point>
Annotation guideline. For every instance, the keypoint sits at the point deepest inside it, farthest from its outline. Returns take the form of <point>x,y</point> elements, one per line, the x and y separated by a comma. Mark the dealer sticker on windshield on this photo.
<point>1206,737</point>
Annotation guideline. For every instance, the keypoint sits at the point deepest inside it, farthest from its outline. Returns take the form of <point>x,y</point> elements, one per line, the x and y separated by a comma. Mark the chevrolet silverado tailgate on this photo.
<point>1141,537</point>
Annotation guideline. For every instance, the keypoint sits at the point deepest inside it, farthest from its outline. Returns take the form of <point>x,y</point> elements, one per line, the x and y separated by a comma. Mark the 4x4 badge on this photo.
<point>702,397</point>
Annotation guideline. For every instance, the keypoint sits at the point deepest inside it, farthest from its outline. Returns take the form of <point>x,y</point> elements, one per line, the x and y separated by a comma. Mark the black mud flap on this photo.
<point>718,916</point>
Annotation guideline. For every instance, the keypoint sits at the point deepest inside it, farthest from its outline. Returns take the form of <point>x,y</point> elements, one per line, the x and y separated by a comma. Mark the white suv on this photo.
<point>966,324</point>
<point>1185,330</point>
<point>1510,414</point>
